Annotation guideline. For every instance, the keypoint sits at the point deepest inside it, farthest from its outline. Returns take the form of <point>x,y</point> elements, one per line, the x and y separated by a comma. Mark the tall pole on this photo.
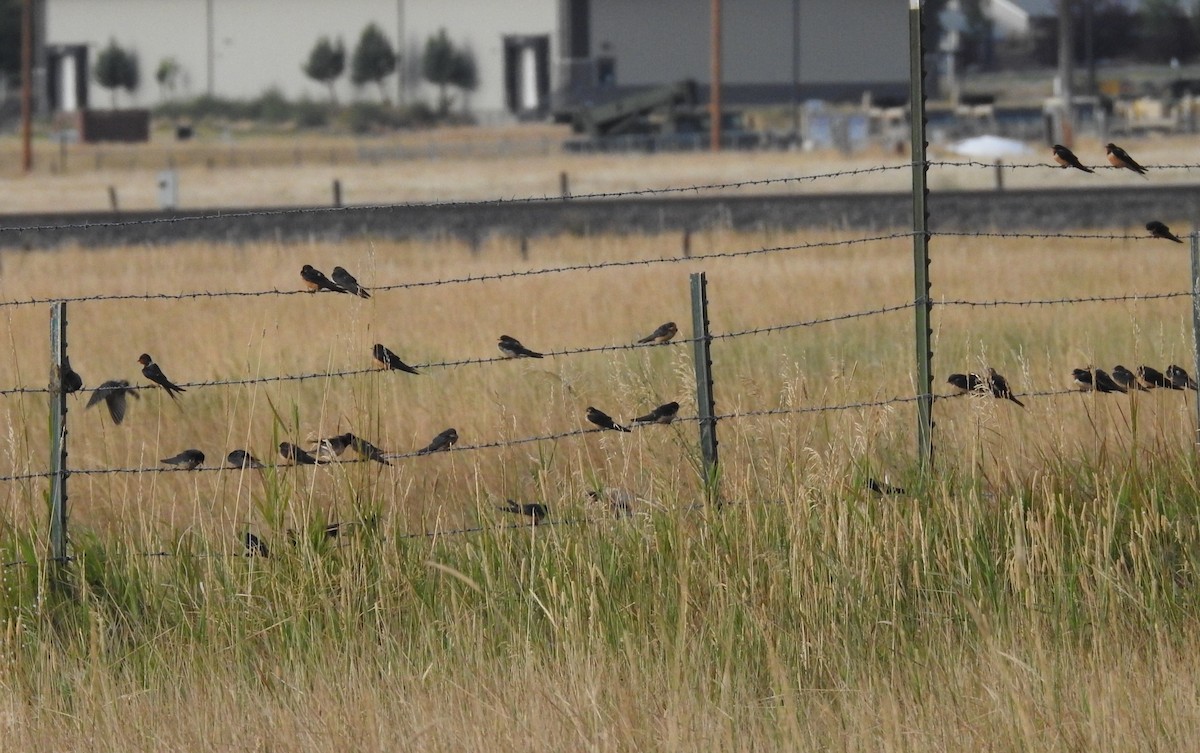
<point>920,194</point>
<point>60,365</point>
<point>796,70</point>
<point>714,99</point>
<point>706,407</point>
<point>1066,71</point>
<point>211,42</point>
<point>1196,317</point>
<point>27,85</point>
<point>399,52</point>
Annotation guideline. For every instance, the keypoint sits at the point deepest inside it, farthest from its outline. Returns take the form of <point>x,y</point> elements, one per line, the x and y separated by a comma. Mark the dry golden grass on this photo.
<point>1035,593</point>
<point>300,170</point>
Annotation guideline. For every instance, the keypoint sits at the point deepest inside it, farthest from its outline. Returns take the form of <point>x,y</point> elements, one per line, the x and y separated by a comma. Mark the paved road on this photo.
<point>862,213</point>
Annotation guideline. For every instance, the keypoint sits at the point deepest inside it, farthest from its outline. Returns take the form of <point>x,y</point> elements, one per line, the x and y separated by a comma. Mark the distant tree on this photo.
<point>325,63</point>
<point>373,60</point>
<point>466,73</point>
<point>117,68</point>
<point>444,65</point>
<point>167,76</point>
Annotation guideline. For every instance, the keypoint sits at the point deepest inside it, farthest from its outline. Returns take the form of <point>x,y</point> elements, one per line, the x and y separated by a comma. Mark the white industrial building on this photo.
<point>531,54</point>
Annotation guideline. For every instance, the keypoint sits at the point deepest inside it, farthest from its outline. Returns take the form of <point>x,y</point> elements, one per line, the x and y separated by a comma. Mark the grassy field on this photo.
<point>457,165</point>
<point>1037,591</point>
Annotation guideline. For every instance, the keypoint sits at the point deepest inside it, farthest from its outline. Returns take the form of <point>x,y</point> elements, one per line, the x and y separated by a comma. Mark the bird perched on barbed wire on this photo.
<point>661,335</point>
<point>316,280</point>
<point>68,379</point>
<point>1179,377</point>
<point>441,442</point>
<point>1089,379</point>
<point>151,371</point>
<point>1066,158</point>
<point>114,393</point>
<point>536,511</point>
<point>243,459</point>
<point>389,360</point>
<point>964,383</point>
<point>364,449</point>
<point>346,282</point>
<point>1127,379</point>
<point>1118,157</point>
<point>883,489</point>
<point>603,420</point>
<point>188,460</point>
<point>511,347</point>
<point>1152,377</point>
<point>663,414</point>
<point>999,387</point>
<point>297,455</point>
<point>255,547</point>
<point>1159,230</point>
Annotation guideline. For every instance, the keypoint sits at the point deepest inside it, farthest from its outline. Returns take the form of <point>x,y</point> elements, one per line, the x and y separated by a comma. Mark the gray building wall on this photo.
<point>844,45</point>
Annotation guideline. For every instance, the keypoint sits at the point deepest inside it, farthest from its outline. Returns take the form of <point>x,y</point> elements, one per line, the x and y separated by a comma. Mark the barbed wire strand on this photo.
<point>516,200</point>
<point>1043,165</point>
<point>584,267</point>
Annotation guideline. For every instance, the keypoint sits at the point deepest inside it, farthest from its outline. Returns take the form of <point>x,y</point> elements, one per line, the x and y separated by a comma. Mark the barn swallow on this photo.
<point>69,381</point>
<point>365,449</point>
<point>316,280</point>
<point>620,501</point>
<point>188,460</point>
<point>535,510</point>
<point>883,489</point>
<point>1159,230</point>
<point>999,387</point>
<point>389,360</point>
<point>1095,379</point>
<point>329,531</point>
<point>243,459</point>
<point>1081,379</point>
<point>1152,377</point>
<point>603,420</point>
<point>255,547</point>
<point>663,414</point>
<point>964,383</point>
<point>113,393</point>
<point>297,455</point>
<point>1067,158</point>
<point>333,447</point>
<point>346,282</point>
<point>511,347</point>
<point>151,371</point>
<point>1180,378</point>
<point>443,441</point>
<point>1118,157</point>
<point>1127,379</point>
<point>661,335</point>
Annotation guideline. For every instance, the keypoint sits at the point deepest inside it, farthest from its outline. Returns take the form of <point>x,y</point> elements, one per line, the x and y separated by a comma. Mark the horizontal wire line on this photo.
<point>491,359</point>
<point>758,413</point>
<point>1073,300</point>
<point>1044,236</point>
<point>1043,165</point>
<point>637,346</point>
<point>545,199</point>
<point>468,278</point>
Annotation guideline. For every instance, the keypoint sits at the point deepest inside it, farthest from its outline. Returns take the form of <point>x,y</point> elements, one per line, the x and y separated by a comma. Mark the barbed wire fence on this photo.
<point>707,420</point>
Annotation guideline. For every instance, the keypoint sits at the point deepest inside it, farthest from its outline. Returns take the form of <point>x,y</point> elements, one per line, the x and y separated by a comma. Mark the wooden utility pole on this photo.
<point>27,85</point>
<point>1066,71</point>
<point>714,99</point>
